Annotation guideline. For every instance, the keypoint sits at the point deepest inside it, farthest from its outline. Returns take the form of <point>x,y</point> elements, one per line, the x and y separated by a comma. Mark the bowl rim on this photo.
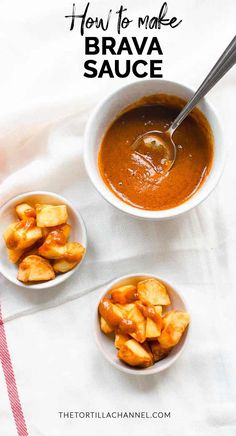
<point>156,215</point>
<point>62,277</point>
<point>153,369</point>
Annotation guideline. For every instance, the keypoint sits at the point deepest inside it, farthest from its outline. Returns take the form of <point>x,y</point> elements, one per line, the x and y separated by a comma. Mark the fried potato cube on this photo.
<point>105,327</point>
<point>25,211</point>
<point>154,320</point>
<point>125,308</point>
<point>110,312</point>
<point>8,236</point>
<point>63,265</point>
<point>134,354</point>
<point>121,339</point>
<point>34,269</point>
<point>127,326</point>
<point>65,229</point>
<point>74,251</point>
<point>52,250</point>
<point>174,325</point>
<point>153,330</point>
<point>138,319</point>
<point>28,238</point>
<point>158,351</point>
<point>124,294</point>
<point>55,247</point>
<point>22,234</point>
<point>153,292</point>
<point>49,216</point>
<point>14,255</point>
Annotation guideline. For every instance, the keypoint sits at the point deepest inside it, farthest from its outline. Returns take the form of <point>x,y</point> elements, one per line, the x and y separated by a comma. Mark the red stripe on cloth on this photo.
<point>11,382</point>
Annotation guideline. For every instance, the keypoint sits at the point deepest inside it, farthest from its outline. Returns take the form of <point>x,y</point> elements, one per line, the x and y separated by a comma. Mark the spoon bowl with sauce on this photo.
<point>161,143</point>
<point>160,146</point>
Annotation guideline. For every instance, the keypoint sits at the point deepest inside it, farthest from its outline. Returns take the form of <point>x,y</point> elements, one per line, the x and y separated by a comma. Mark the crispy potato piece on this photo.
<point>121,339</point>
<point>154,320</point>
<point>153,330</point>
<point>25,211</point>
<point>14,255</point>
<point>64,228</point>
<point>62,265</point>
<point>153,292</point>
<point>105,327</point>
<point>174,325</point>
<point>138,319</point>
<point>8,235</point>
<point>134,354</point>
<point>52,251</point>
<point>22,234</point>
<point>28,238</point>
<point>49,216</point>
<point>158,351</point>
<point>34,269</point>
<point>110,312</point>
<point>124,294</point>
<point>125,308</point>
<point>127,326</point>
<point>74,251</point>
<point>56,247</point>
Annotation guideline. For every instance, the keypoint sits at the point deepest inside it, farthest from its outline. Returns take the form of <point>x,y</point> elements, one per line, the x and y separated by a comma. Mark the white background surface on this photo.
<point>45,102</point>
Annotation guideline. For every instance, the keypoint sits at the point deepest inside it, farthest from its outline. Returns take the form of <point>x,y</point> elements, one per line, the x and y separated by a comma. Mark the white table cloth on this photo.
<point>45,102</point>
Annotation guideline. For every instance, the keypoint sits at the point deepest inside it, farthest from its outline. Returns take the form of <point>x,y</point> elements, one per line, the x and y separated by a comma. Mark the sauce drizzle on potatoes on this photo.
<point>143,334</point>
<point>39,242</point>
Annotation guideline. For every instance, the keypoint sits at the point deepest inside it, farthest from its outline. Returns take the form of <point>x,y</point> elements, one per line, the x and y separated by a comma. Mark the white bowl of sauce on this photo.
<point>125,178</point>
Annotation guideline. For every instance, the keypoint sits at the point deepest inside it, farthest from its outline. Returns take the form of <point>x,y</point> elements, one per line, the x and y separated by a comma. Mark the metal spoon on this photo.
<point>161,142</point>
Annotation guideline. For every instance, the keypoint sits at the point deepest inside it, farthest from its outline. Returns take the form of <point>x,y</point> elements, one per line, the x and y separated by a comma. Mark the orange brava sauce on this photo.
<point>130,177</point>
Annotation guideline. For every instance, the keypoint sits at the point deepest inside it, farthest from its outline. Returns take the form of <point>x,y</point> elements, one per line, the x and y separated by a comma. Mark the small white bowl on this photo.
<point>105,113</point>
<point>106,344</point>
<point>8,215</point>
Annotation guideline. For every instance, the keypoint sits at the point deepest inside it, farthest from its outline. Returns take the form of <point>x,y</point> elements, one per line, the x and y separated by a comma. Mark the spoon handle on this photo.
<point>224,63</point>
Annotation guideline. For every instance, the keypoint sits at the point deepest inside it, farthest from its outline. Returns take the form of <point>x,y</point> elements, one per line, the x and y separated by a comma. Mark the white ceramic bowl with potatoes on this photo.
<point>106,342</point>
<point>8,216</point>
<point>109,109</point>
